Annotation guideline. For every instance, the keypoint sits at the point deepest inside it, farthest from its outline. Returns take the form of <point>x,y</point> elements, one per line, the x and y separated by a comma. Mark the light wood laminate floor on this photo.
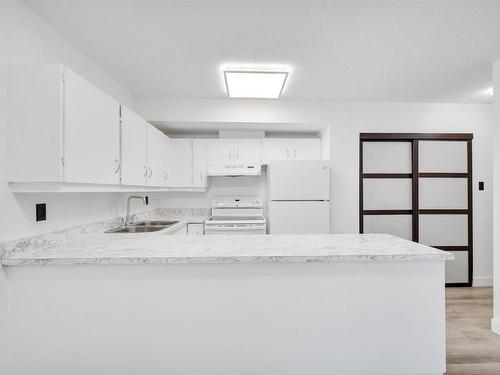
<point>472,348</point>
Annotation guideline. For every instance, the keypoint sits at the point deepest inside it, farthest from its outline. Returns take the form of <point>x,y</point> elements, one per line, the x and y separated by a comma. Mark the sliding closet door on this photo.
<point>418,187</point>
<point>445,201</point>
<point>386,168</point>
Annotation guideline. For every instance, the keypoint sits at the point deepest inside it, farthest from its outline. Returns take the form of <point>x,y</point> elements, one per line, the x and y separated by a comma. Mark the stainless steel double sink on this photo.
<point>144,227</point>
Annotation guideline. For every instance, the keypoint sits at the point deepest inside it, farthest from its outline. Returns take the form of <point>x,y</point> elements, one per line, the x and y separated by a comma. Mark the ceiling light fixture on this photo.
<point>243,83</point>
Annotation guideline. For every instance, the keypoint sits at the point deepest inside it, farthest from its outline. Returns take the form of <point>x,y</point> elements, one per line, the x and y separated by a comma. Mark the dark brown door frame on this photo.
<point>415,175</point>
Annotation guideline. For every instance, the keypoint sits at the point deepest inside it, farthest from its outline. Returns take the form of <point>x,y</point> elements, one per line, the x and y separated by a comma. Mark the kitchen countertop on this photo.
<point>163,248</point>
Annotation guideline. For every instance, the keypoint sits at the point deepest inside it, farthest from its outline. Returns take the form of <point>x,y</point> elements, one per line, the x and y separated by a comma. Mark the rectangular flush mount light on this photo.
<point>254,84</point>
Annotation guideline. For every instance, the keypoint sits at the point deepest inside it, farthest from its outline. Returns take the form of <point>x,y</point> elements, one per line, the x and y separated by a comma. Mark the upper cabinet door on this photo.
<point>221,151</point>
<point>166,160</point>
<point>181,163</point>
<point>156,167</point>
<point>247,151</point>
<point>306,149</point>
<point>91,133</point>
<point>276,149</point>
<point>199,162</point>
<point>34,123</point>
<point>133,154</point>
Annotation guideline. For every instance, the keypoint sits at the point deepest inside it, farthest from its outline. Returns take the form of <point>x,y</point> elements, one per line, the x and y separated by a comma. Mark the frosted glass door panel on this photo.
<point>397,225</point>
<point>457,269</point>
<point>387,194</point>
<point>443,193</point>
<point>387,157</point>
<point>443,230</point>
<point>442,156</point>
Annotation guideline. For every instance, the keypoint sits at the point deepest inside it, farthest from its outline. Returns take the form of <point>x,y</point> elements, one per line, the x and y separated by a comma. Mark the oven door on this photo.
<point>213,228</point>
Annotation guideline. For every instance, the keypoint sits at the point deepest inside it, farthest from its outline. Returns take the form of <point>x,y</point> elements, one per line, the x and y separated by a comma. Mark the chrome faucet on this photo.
<point>128,219</point>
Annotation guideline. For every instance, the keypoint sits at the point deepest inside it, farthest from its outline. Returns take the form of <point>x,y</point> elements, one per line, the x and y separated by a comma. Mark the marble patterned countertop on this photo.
<point>140,248</point>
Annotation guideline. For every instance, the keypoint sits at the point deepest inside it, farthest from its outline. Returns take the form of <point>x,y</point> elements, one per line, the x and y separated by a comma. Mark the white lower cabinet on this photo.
<point>195,229</point>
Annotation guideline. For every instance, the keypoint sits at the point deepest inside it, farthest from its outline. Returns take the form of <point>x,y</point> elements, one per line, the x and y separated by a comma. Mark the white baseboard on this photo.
<point>495,326</point>
<point>482,281</point>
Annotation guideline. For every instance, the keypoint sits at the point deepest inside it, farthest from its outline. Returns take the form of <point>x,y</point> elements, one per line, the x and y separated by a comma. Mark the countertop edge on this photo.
<point>226,260</point>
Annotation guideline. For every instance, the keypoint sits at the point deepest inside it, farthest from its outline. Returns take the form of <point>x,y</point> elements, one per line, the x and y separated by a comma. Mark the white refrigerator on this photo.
<point>298,197</point>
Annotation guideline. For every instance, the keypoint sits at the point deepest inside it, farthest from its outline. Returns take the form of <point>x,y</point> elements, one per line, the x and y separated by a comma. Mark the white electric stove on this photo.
<point>236,215</point>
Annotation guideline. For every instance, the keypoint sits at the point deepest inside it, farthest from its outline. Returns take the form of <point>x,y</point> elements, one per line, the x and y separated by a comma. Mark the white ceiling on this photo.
<point>372,50</point>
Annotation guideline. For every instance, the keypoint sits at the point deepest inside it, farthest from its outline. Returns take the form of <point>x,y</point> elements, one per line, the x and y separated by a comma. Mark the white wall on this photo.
<point>346,121</point>
<point>217,186</point>
<point>496,201</point>
<point>26,38</point>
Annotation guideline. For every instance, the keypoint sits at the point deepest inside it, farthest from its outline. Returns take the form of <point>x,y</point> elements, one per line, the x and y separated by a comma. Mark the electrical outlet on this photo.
<point>147,200</point>
<point>481,185</point>
<point>41,211</point>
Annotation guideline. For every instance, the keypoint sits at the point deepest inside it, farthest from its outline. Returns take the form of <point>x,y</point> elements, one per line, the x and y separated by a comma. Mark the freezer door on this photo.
<point>298,180</point>
<point>299,217</point>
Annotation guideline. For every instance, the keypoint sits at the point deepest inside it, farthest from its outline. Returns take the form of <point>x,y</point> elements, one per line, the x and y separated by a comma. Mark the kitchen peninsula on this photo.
<point>275,304</point>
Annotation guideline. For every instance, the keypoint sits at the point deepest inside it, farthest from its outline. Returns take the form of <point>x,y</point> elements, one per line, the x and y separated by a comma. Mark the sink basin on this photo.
<point>153,223</point>
<point>136,229</point>
<point>144,226</point>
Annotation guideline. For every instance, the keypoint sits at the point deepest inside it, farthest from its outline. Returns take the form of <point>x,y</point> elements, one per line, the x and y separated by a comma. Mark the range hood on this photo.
<point>234,170</point>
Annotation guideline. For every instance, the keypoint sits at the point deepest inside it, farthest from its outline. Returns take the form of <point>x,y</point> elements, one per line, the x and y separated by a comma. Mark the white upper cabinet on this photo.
<point>166,160</point>
<point>225,151</point>
<point>181,163</point>
<point>199,162</point>
<point>70,127</point>
<point>156,160</point>
<point>91,133</point>
<point>247,151</point>
<point>220,151</point>
<point>34,122</point>
<point>134,148</point>
<point>306,149</point>
<point>275,149</point>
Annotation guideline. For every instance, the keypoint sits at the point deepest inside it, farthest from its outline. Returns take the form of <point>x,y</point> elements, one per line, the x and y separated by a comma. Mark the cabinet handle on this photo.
<point>295,154</point>
<point>117,166</point>
<point>237,154</point>
<point>166,175</point>
<point>201,176</point>
<point>229,155</point>
<point>145,171</point>
<point>287,153</point>
<point>150,172</point>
